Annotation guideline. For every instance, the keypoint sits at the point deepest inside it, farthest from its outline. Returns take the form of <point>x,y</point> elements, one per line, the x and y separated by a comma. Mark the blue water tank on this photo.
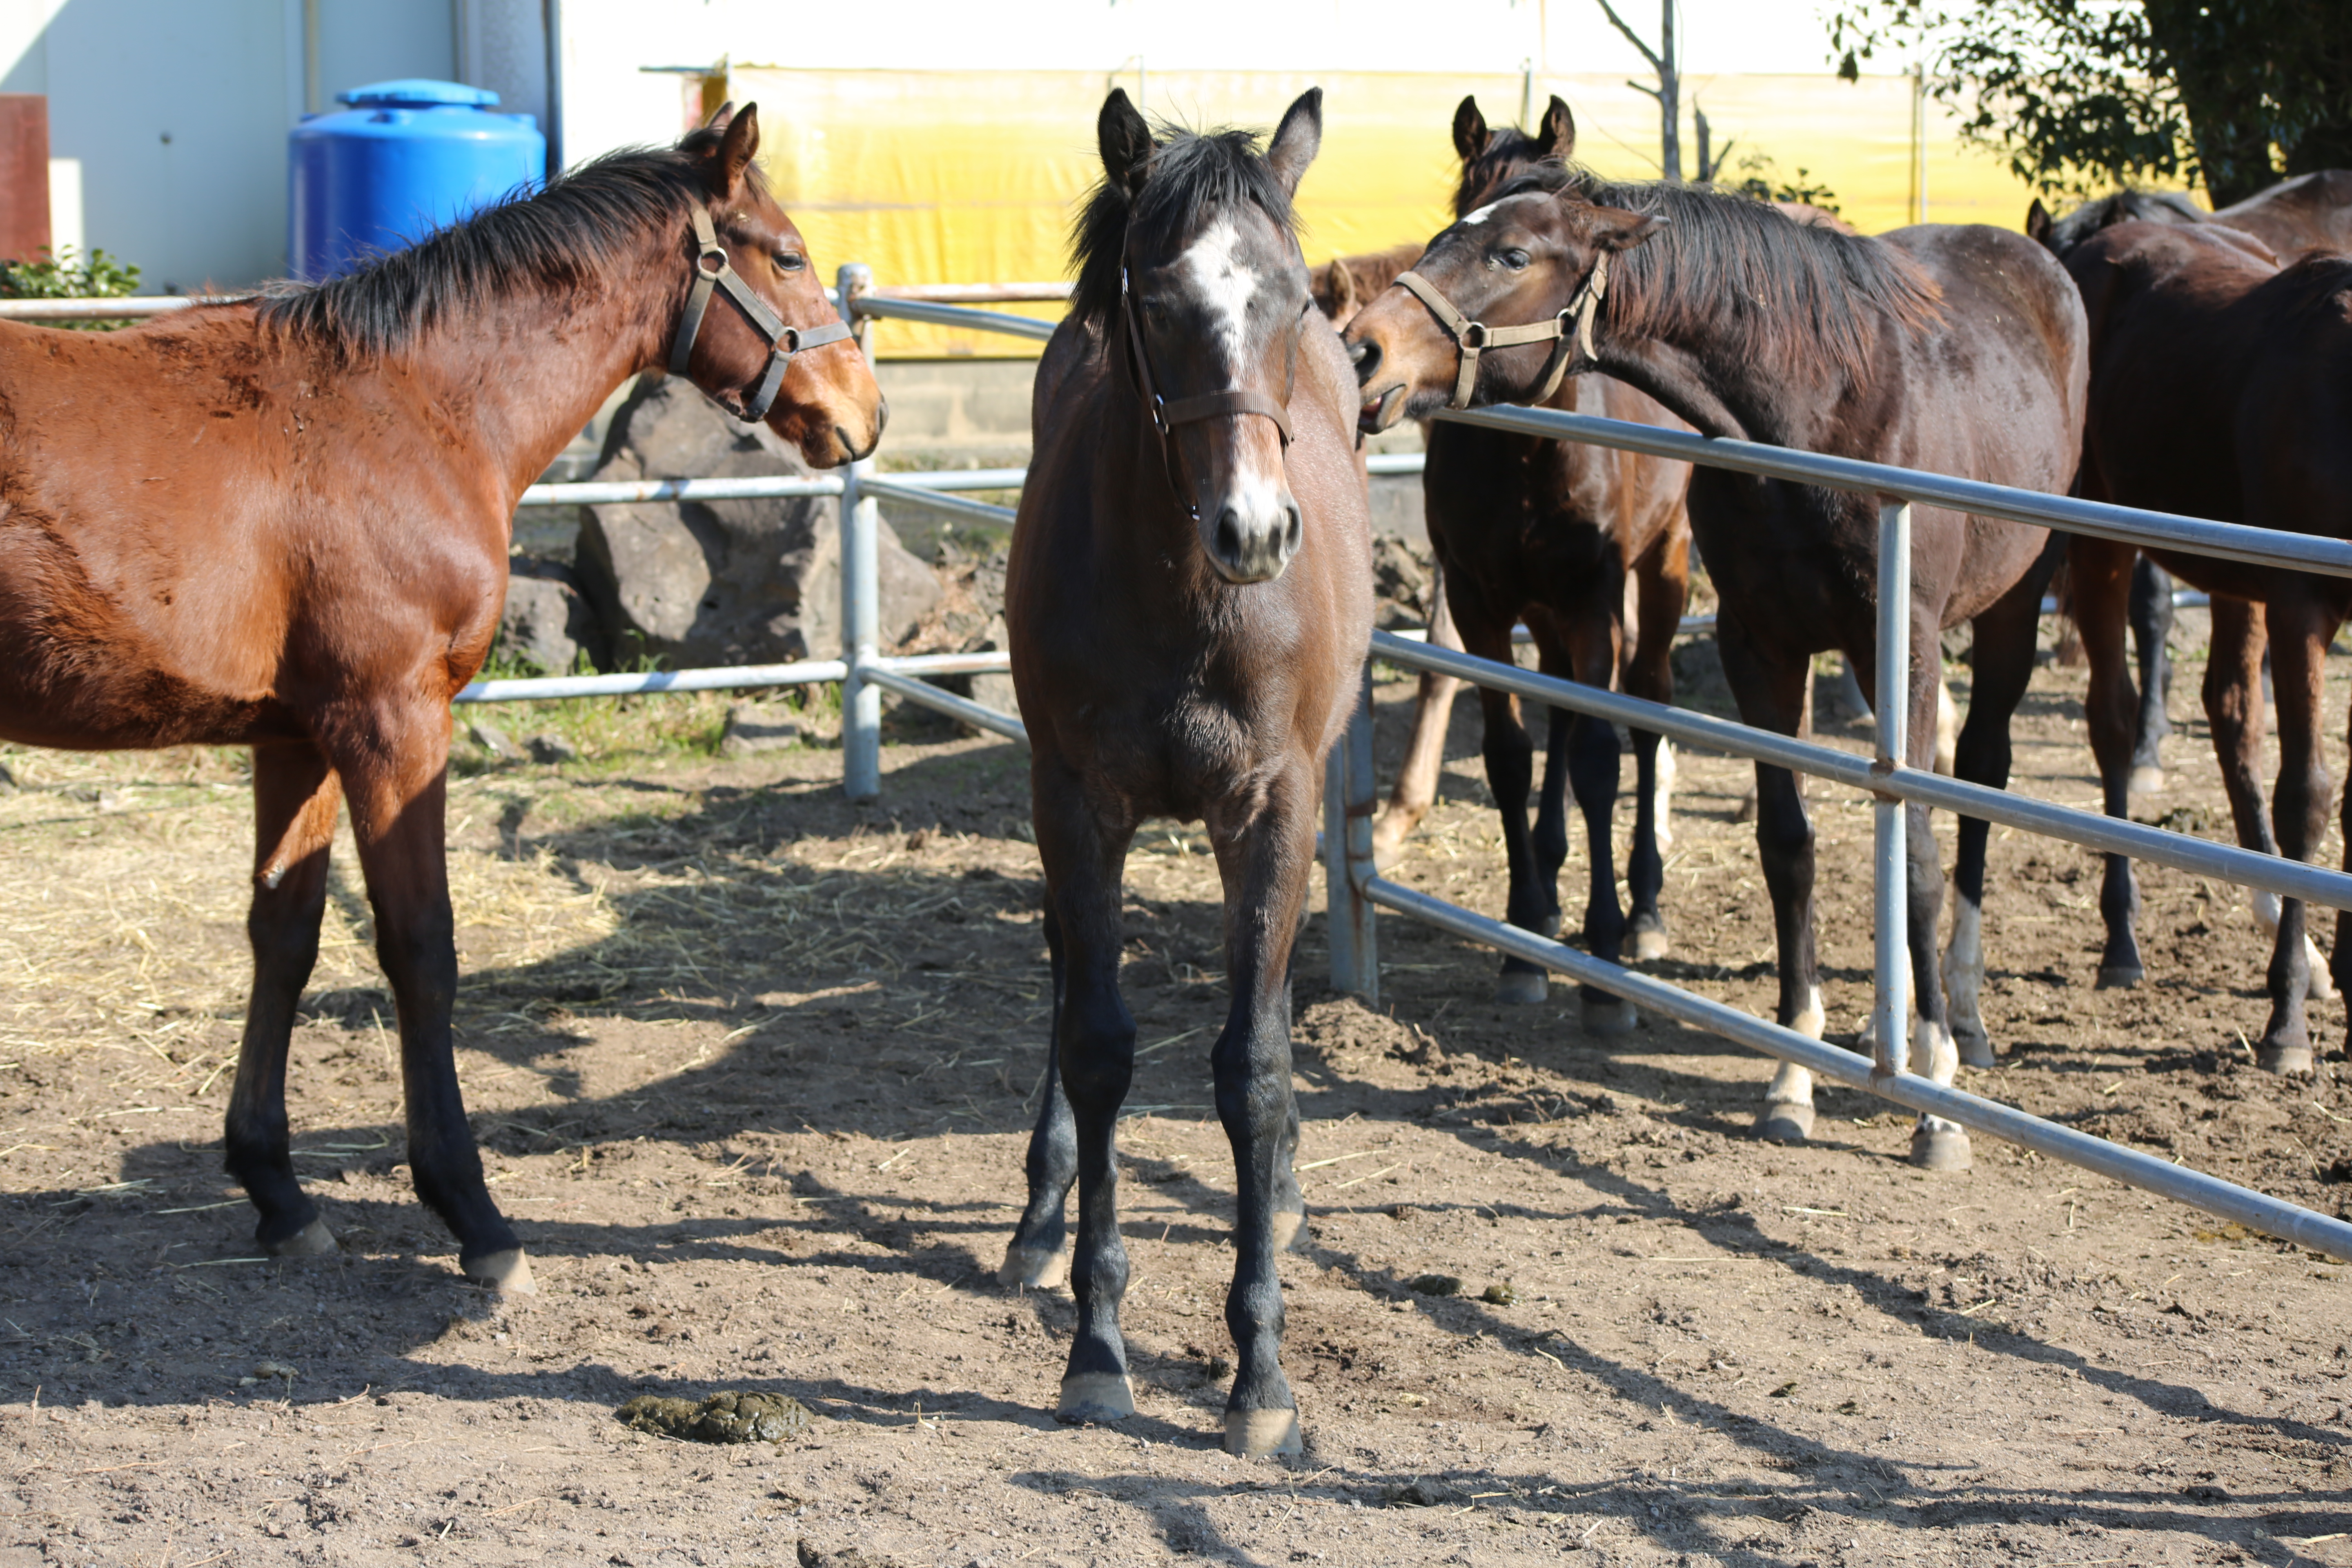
<point>407,158</point>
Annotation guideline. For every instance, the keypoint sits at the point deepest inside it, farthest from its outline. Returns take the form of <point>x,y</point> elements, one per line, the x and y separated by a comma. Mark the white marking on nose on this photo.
<point>1217,274</point>
<point>1483,214</point>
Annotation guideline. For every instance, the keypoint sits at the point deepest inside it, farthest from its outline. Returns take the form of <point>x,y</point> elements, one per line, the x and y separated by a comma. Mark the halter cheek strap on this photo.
<point>712,271</point>
<point>1476,337</point>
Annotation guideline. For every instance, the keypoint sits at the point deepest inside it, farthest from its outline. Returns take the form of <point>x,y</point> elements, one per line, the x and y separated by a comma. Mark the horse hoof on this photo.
<point>1034,1267</point>
<point>1258,1433</point>
<point>1939,1149</point>
<point>314,1240</point>
<point>2147,780</point>
<point>1606,1015</point>
<point>1651,943</point>
<point>1976,1051</point>
<point>506,1272</point>
<point>1289,1231</point>
<point>1095,1396</point>
<point>1521,988</point>
<point>2283,1060</point>
<point>2119,976</point>
<point>1785,1124</point>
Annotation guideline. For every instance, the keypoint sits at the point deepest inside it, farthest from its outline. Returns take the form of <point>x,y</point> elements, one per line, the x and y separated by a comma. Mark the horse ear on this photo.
<point>2037,223</point>
<point>1556,137</point>
<point>1343,287</point>
<point>1297,140</point>
<point>737,148</point>
<point>1614,229</point>
<point>720,116</point>
<point>1470,132</point>
<point>1125,140</point>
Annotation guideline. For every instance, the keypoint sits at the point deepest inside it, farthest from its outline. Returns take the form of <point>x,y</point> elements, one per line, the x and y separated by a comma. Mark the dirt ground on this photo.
<point>752,1070</point>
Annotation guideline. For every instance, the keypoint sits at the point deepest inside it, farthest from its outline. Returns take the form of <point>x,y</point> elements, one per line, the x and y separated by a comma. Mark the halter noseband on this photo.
<point>1167,415</point>
<point>713,270</point>
<point>1475,337</point>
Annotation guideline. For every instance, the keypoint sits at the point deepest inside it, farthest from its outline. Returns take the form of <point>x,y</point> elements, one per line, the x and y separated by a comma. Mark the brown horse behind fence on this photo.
<point>1190,597</point>
<point>283,524</point>
<point>2257,435</point>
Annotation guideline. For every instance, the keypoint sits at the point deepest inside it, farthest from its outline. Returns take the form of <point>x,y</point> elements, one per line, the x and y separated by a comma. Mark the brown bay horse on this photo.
<point>1553,532</point>
<point>1190,599</point>
<point>1954,348</point>
<point>300,545</point>
<point>2260,434</point>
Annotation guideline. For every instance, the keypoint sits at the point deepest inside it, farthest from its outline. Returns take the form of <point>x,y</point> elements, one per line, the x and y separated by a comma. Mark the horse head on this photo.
<point>826,402</point>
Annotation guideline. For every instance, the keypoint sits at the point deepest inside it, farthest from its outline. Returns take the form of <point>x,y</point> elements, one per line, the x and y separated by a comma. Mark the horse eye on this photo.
<point>787,261</point>
<point>1515,260</point>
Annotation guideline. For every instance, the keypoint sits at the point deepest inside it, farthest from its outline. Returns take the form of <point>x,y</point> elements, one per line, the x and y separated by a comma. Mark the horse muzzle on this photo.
<point>1252,534</point>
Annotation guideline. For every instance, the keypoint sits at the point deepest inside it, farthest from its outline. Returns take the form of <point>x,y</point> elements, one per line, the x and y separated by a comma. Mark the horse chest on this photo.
<point>1171,749</point>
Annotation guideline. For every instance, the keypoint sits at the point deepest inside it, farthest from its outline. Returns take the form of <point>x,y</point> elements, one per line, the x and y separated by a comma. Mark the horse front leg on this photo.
<point>2003,660</point>
<point>295,795</point>
<point>1264,857</point>
<point>1771,689</point>
<point>1094,1052</point>
<point>1533,903</point>
<point>2151,626</point>
<point>1662,581</point>
<point>1424,753</point>
<point>1593,765</point>
<point>2301,630</point>
<point>2101,577</point>
<point>394,772</point>
<point>1036,1258</point>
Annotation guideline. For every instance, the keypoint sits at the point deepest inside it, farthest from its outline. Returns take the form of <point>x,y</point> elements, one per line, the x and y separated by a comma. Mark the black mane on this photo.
<point>1748,275</point>
<point>562,236</point>
<point>1191,173</point>
<point>2128,206</point>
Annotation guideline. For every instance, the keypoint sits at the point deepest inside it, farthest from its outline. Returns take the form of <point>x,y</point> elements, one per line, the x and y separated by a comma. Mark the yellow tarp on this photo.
<point>953,177</point>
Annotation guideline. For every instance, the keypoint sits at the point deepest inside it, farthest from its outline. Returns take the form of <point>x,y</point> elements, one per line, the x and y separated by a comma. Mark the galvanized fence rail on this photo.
<point>1355,889</point>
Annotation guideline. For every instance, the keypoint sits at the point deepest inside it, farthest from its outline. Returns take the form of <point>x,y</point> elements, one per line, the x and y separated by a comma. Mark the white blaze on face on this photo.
<point>1215,273</point>
<point>1482,215</point>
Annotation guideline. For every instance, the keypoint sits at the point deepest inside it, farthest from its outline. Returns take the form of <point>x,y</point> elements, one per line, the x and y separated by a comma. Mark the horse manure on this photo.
<point>1498,1295</point>
<point>724,1417</point>
<point>1437,1285</point>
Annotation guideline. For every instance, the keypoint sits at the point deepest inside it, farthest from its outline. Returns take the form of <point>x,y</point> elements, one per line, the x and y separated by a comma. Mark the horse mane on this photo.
<point>1752,278</point>
<point>565,236</point>
<point>2130,205</point>
<point>1191,175</point>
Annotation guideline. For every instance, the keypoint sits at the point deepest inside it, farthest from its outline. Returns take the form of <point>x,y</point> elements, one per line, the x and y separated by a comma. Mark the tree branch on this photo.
<point>1632,38</point>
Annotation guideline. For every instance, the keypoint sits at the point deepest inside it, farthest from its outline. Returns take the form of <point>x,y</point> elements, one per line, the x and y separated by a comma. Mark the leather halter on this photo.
<point>1167,415</point>
<point>713,270</point>
<point>1475,337</point>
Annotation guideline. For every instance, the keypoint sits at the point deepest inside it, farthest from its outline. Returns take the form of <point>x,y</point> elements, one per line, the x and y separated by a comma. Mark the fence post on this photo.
<point>1891,1011</point>
<point>861,607</point>
<point>1349,792</point>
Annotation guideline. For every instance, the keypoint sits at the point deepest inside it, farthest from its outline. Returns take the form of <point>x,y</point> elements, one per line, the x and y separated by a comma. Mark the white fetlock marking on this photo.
<point>1810,1020</point>
<point>1288,1230</point>
<point>1964,968</point>
<point>2266,913</point>
<point>1662,798</point>
<point>1792,1085</point>
<point>1933,1055</point>
<point>1262,1432</point>
<point>2323,985</point>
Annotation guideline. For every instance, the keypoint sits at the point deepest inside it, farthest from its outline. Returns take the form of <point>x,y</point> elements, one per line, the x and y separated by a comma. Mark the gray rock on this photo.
<point>704,583</point>
<point>547,622</point>
<point>493,740</point>
<point>550,748</point>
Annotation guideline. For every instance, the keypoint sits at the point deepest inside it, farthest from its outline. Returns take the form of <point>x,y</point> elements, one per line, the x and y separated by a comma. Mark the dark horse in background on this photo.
<point>1190,599</point>
<point>325,569</point>
<point>1958,349</point>
<point>2261,434</point>
<point>2309,212</point>
<point>1552,531</point>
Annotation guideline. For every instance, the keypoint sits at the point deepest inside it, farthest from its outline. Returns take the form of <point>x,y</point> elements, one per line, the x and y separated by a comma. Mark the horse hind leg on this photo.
<point>1424,753</point>
<point>1036,1256</point>
<point>2301,633</point>
<point>2151,625</point>
<point>295,797</point>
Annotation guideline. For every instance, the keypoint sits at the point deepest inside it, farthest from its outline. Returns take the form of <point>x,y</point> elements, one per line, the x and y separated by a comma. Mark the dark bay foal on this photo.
<point>1190,599</point>
<point>1958,349</point>
<point>322,568</point>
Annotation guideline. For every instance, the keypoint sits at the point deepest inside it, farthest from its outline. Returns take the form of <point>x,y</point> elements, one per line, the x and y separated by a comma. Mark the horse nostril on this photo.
<point>1229,535</point>
<point>1290,535</point>
<point>1366,357</point>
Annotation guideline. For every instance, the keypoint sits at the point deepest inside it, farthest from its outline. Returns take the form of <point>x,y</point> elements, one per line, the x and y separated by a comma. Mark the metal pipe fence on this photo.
<point>1355,889</point>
